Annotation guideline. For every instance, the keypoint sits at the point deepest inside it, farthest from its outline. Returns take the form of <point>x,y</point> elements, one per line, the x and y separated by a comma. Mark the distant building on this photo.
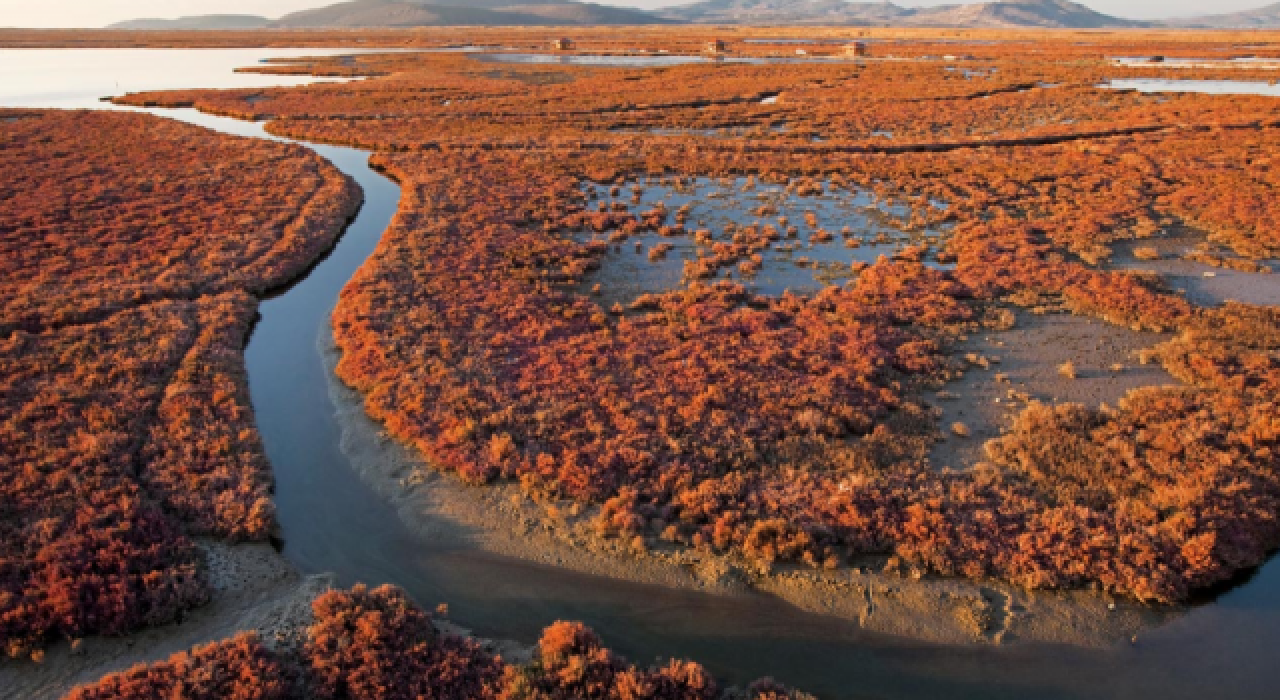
<point>717,46</point>
<point>562,45</point>
<point>857,49</point>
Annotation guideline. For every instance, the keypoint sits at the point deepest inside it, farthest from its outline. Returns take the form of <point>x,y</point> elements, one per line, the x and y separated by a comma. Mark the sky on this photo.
<point>97,13</point>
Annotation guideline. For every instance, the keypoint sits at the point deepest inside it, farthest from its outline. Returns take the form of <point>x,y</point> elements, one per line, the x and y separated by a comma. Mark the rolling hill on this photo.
<point>196,22</point>
<point>418,13</point>
<point>379,13</point>
<point>1261,18</point>
<point>786,12</point>
<point>1002,14</point>
<point>1046,14</point>
<point>439,13</point>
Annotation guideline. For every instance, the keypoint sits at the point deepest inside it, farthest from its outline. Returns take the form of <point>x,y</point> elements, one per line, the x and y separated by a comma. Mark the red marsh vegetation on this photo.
<point>793,427</point>
<point>787,428</point>
<point>376,645</point>
<point>130,250</point>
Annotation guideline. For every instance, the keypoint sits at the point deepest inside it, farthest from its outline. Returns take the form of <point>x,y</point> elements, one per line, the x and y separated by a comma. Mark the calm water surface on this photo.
<point>624,60</point>
<point>793,264</point>
<point>332,522</point>
<point>1208,87</point>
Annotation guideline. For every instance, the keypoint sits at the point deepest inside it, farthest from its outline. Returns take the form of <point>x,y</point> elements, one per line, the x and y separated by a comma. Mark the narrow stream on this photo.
<point>333,522</point>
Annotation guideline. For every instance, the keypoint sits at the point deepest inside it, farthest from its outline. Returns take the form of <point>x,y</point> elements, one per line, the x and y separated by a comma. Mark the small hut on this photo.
<point>717,46</point>
<point>562,44</point>
<point>857,49</point>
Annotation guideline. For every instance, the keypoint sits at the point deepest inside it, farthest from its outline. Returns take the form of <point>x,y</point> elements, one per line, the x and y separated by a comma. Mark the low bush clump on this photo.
<point>376,645</point>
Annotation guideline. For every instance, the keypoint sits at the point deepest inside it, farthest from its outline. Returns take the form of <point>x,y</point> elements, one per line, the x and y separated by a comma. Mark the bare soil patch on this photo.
<point>1202,284</point>
<point>254,589</point>
<point>1026,363</point>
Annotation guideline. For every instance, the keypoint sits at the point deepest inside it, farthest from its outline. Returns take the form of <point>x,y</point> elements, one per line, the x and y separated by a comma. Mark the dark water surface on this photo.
<point>333,522</point>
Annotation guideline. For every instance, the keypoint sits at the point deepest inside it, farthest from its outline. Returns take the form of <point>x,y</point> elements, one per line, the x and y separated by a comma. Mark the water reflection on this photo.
<point>1185,62</point>
<point>622,60</point>
<point>1208,87</point>
<point>804,242</point>
<point>78,78</point>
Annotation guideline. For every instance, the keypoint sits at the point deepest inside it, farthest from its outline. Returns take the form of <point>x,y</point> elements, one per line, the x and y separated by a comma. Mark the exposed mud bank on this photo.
<point>503,520</point>
<point>1028,362</point>
<point>1202,284</point>
<point>254,589</point>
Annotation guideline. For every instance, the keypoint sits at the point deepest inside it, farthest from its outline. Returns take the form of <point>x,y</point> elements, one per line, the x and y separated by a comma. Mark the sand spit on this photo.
<point>254,589</point>
<point>877,595</point>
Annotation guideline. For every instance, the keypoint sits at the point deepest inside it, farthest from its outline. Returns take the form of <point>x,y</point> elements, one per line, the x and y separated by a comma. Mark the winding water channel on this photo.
<point>333,522</point>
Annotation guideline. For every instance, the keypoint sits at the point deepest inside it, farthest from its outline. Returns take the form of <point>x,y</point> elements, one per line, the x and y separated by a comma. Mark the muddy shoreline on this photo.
<point>1009,368</point>
<point>1202,284</point>
<point>254,589</point>
<point>257,588</point>
<point>501,519</point>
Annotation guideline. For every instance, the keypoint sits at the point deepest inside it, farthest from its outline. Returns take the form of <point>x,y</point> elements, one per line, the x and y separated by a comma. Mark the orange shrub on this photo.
<point>376,645</point>
<point>237,669</point>
<point>791,427</point>
<point>129,247</point>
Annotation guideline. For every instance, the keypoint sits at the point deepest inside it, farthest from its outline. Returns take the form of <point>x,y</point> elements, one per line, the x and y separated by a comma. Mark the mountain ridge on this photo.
<point>997,14</point>
<point>1048,14</point>
<point>1266,17</point>
<point>441,13</point>
<point>416,13</point>
<point>194,22</point>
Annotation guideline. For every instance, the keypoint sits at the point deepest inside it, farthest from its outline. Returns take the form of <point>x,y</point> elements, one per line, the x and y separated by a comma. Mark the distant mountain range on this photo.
<point>1001,14</point>
<point>1262,18</point>
<point>420,13</point>
<point>1004,14</point>
<point>197,22</point>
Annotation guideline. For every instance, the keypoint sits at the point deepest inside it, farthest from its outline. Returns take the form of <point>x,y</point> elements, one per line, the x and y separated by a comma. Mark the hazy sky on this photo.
<point>96,13</point>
